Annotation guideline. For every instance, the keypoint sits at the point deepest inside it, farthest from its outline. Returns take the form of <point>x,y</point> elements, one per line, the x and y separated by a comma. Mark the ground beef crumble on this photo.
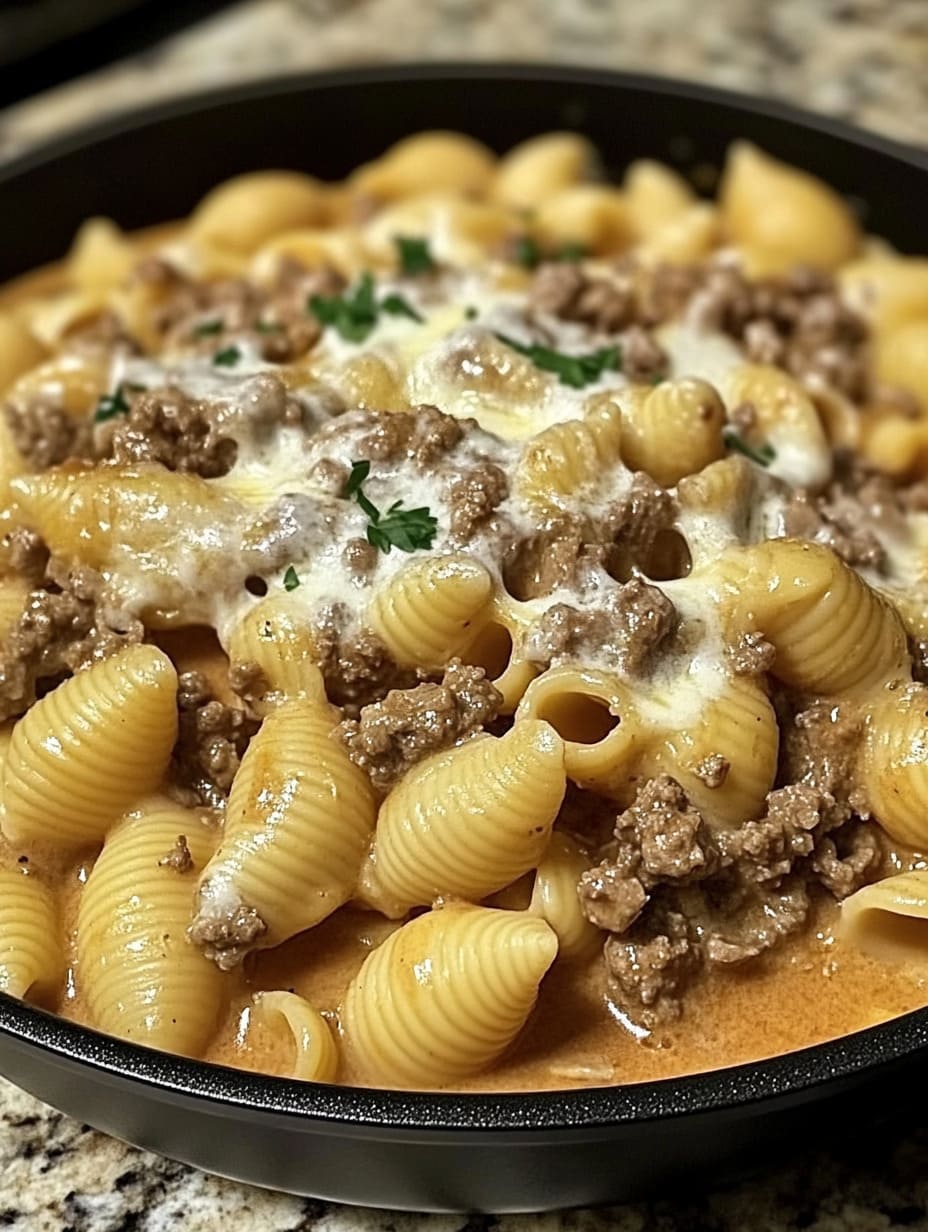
<point>355,664</point>
<point>44,432</point>
<point>752,654</point>
<point>212,738</point>
<point>678,896</point>
<point>423,435</point>
<point>410,724</point>
<point>179,857</point>
<point>167,426</point>
<point>225,936</point>
<point>67,623</point>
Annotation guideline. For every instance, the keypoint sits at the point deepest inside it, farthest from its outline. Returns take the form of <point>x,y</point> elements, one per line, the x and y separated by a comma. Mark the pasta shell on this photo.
<point>431,610</point>
<point>555,897</point>
<point>468,821</point>
<point>673,430</point>
<point>298,821</point>
<point>444,996</point>
<point>31,956</point>
<point>275,635</point>
<point>140,977</point>
<point>894,771</point>
<point>87,750</point>
<point>889,919</point>
<point>313,1044</point>
<point>569,458</point>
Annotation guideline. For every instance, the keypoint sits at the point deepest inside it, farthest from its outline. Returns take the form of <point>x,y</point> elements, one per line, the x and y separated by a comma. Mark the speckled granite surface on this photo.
<point>863,59</point>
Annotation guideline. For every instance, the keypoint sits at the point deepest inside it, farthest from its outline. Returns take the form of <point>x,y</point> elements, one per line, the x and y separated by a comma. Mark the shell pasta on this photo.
<point>465,626</point>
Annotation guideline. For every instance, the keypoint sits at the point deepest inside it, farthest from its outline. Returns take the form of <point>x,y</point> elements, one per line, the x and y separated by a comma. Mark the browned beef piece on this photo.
<point>225,935</point>
<point>66,624</point>
<point>212,738</point>
<point>44,432</point>
<point>179,857</point>
<point>752,655</point>
<point>474,497</point>
<point>739,892</point>
<point>183,434</point>
<point>633,621</point>
<point>643,359</point>
<point>838,521</point>
<point>564,290</point>
<point>423,435</point>
<point>713,770</point>
<point>633,523</point>
<point>355,663</point>
<point>411,724</point>
<point>24,553</point>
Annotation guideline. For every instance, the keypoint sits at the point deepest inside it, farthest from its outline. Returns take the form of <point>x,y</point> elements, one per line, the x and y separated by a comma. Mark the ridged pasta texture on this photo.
<point>555,897</point>
<point>672,430</point>
<point>90,748</point>
<point>31,953</point>
<point>298,821</point>
<point>894,766</point>
<point>138,974</point>
<point>444,996</point>
<point>275,636</point>
<point>467,821</point>
<point>315,1052</point>
<point>569,457</point>
<point>833,634</point>
<point>878,918</point>
<point>431,610</point>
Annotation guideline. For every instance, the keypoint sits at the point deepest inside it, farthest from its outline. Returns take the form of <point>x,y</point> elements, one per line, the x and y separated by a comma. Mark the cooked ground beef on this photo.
<point>424,435</point>
<point>633,523</point>
<point>225,936</point>
<point>248,681</point>
<point>474,496</point>
<point>355,664</point>
<point>643,359</point>
<point>837,521</point>
<point>66,624</point>
<point>752,655</point>
<point>23,552</point>
<point>44,432</point>
<point>713,770</point>
<point>360,557</point>
<point>167,426</point>
<point>730,894</point>
<point>179,857</point>
<point>410,724</point>
<point>633,621</point>
<point>212,738</point>
<point>564,290</point>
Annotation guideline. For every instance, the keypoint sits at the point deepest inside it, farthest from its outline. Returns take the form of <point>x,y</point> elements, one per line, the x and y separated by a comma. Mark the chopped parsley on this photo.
<point>471,313</point>
<point>573,370</point>
<point>414,254</point>
<point>763,454</point>
<point>355,315</point>
<point>207,329</point>
<point>291,580</point>
<point>528,253</point>
<point>111,405</point>
<point>406,529</point>
<point>228,357</point>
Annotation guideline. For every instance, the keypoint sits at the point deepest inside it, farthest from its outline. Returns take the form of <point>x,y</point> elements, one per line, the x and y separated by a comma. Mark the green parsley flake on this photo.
<point>763,454</point>
<point>228,357</point>
<point>291,580</point>
<point>207,329</point>
<point>111,405</point>
<point>526,252</point>
<point>354,316</point>
<point>414,254</point>
<point>573,370</point>
<point>407,529</point>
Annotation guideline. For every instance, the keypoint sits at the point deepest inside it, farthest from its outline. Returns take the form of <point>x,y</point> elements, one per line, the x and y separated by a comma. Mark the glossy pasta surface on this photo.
<point>466,626</point>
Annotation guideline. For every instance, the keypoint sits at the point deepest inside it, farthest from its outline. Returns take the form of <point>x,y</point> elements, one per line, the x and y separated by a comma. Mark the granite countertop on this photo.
<point>866,60</point>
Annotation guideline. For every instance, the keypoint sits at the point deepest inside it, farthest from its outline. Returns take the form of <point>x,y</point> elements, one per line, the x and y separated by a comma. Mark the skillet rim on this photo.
<point>805,1074</point>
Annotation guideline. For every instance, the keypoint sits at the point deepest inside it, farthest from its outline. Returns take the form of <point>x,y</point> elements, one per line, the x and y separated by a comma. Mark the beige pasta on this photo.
<point>542,166</point>
<point>497,649</point>
<point>444,996</point>
<point>900,358</point>
<point>468,821</point>
<point>31,951</point>
<point>595,714</point>
<point>245,212</point>
<point>427,162</point>
<point>655,197</point>
<point>889,919</point>
<point>555,898</point>
<point>591,215</point>
<point>315,1052</point>
<point>782,215</point>
<point>298,821</point>
<point>689,237</point>
<point>431,610</point>
<point>19,350</point>
<point>833,634</point>
<point>275,637</point>
<point>672,430</point>
<point>87,750</point>
<point>140,977</point>
<point>13,592</point>
<point>101,256</point>
<point>785,418</point>
<point>565,461</point>
<point>893,769</point>
<point>888,290</point>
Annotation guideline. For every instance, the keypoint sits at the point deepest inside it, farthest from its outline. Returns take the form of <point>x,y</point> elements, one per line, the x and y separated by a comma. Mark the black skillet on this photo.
<point>409,1150</point>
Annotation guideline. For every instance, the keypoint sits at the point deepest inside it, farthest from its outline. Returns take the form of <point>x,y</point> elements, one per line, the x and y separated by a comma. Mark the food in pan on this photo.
<point>467,626</point>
